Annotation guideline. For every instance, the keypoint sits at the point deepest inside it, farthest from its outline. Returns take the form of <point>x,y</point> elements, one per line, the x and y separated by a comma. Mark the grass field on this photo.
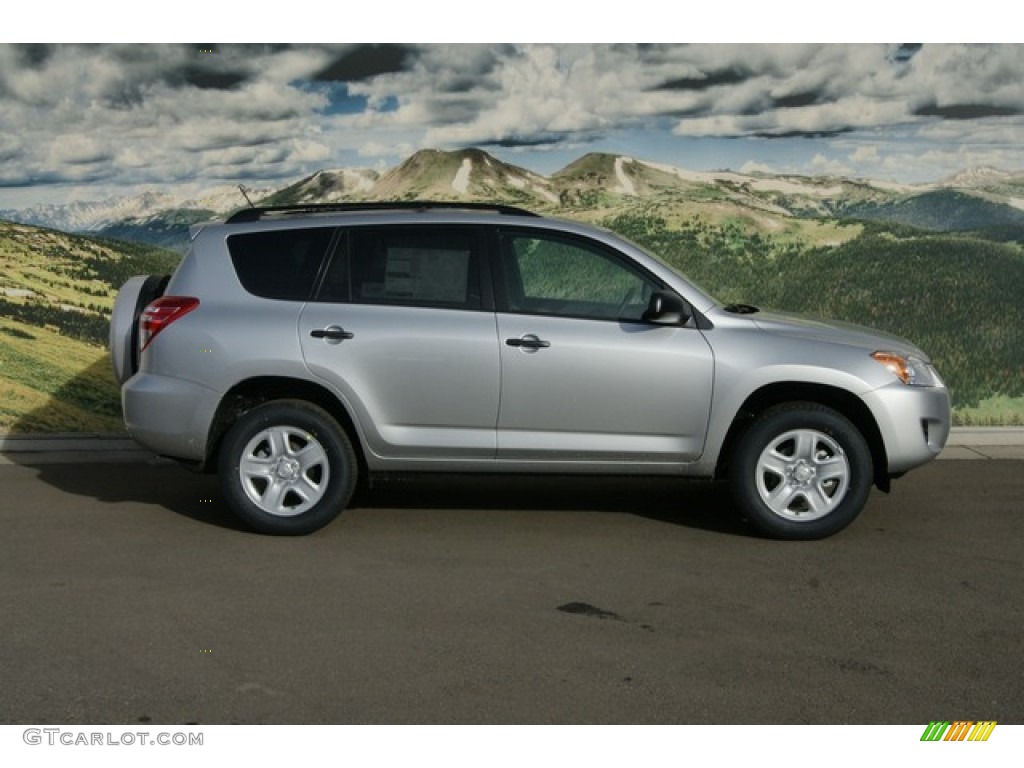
<point>52,383</point>
<point>56,293</point>
<point>996,411</point>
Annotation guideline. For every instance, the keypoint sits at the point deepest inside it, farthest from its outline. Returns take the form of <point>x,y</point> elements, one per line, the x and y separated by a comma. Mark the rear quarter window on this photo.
<point>280,264</point>
<point>436,266</point>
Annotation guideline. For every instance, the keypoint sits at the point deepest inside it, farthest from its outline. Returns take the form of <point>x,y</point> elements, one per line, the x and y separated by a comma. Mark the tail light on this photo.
<point>161,313</point>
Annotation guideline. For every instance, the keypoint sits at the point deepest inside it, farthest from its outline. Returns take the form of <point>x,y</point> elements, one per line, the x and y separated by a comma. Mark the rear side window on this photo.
<point>281,264</point>
<point>414,266</point>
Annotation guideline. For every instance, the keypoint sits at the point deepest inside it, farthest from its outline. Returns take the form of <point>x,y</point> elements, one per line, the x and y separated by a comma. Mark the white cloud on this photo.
<point>752,166</point>
<point>866,153</point>
<point>77,149</point>
<point>379,150</point>
<point>159,113</point>
<point>309,151</point>
<point>149,114</point>
<point>826,166</point>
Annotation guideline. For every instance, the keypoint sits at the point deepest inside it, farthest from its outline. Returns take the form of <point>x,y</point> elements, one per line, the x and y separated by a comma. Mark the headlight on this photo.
<point>911,370</point>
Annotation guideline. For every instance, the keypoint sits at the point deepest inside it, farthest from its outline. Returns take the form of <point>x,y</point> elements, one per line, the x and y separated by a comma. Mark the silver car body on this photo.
<point>438,389</point>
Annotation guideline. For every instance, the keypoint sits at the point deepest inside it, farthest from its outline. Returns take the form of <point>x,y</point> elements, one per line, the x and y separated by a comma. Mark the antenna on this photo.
<point>242,190</point>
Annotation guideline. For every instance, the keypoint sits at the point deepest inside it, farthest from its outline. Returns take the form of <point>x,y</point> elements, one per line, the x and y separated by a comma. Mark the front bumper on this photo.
<point>914,423</point>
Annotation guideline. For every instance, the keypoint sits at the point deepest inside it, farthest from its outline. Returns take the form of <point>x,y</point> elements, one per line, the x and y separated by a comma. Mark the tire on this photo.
<point>801,471</point>
<point>287,468</point>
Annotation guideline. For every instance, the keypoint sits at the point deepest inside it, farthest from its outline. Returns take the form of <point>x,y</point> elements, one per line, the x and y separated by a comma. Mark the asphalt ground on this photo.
<point>129,595</point>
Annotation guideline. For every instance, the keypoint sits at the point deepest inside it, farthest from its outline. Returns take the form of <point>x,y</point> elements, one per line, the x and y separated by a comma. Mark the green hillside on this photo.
<point>56,295</point>
<point>168,230</point>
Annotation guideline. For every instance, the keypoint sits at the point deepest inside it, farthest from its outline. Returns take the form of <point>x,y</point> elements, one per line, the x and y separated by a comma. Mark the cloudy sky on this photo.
<point>86,121</point>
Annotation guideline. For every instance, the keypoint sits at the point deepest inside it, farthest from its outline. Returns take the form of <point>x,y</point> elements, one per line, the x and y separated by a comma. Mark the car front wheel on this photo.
<point>287,468</point>
<point>801,471</point>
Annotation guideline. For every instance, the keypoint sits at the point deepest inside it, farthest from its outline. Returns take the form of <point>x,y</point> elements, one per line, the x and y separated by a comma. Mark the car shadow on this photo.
<point>687,503</point>
<point>165,484</point>
<point>149,482</point>
<point>75,443</point>
<point>132,476</point>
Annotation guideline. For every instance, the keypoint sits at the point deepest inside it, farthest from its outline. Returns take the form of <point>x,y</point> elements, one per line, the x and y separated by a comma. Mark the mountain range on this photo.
<point>593,186</point>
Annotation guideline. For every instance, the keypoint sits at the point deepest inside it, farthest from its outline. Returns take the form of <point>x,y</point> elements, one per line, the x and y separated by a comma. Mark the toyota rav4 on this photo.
<point>298,348</point>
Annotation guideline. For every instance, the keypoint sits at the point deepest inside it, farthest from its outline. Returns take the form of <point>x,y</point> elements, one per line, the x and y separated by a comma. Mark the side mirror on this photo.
<point>666,309</point>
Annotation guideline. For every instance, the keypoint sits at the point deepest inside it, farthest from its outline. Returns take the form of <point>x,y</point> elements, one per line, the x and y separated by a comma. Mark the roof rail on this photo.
<point>258,213</point>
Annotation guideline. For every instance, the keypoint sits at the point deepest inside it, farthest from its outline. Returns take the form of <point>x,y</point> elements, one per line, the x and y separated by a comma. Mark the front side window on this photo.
<point>415,266</point>
<point>280,264</point>
<point>554,275</point>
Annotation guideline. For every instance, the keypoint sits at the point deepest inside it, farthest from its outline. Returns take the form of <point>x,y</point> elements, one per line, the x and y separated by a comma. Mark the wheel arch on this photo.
<point>841,400</point>
<point>250,393</point>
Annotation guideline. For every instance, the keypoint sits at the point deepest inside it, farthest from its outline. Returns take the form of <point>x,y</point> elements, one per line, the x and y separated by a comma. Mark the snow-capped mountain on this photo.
<point>326,186</point>
<point>981,176</point>
<point>94,216</point>
<point>463,174</point>
<point>591,185</point>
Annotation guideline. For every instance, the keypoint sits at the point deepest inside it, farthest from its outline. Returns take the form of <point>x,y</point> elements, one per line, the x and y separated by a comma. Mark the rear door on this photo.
<point>403,328</point>
<point>584,377</point>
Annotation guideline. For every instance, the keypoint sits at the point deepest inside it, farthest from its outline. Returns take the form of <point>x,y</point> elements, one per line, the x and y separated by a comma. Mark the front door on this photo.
<point>583,377</point>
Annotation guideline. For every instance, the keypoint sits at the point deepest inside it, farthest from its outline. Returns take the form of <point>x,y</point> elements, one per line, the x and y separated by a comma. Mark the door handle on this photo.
<point>529,341</point>
<point>331,333</point>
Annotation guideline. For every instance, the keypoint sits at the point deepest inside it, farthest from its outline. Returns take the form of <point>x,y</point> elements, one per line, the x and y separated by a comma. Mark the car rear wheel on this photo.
<point>801,471</point>
<point>287,468</point>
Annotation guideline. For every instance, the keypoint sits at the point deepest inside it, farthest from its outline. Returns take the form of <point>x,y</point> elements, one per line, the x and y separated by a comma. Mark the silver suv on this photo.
<point>297,348</point>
